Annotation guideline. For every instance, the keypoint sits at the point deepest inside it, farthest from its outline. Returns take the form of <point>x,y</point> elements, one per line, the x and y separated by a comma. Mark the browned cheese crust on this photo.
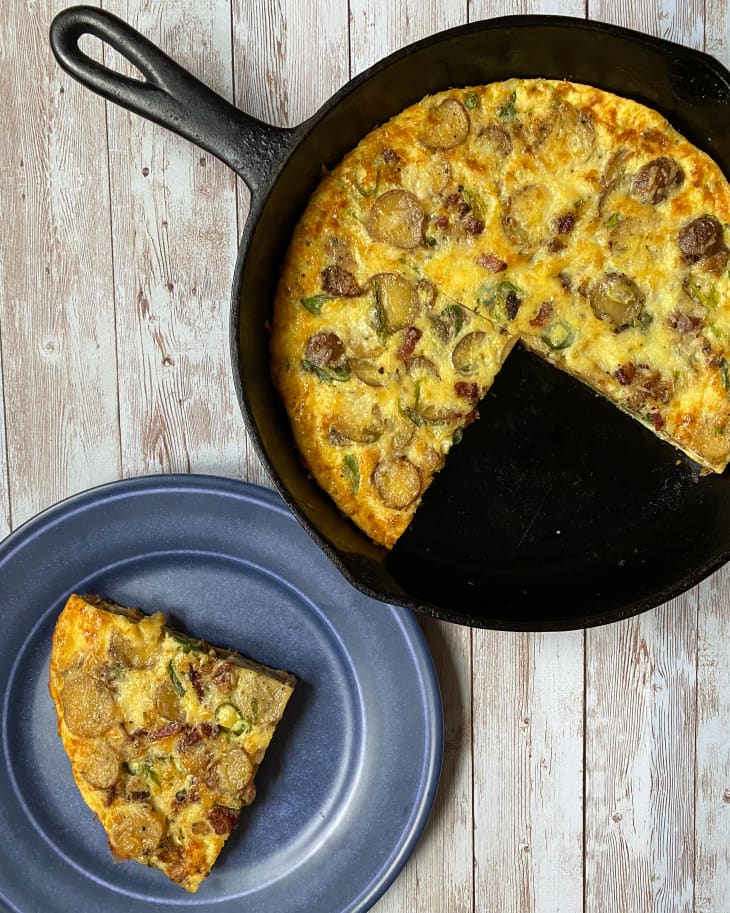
<point>164,732</point>
<point>576,221</point>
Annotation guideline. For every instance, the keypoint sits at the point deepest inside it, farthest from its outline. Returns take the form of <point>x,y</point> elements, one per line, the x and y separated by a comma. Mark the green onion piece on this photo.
<point>242,726</point>
<point>458,434</point>
<point>139,769</point>
<point>350,471</point>
<point>709,298</point>
<point>613,220</point>
<point>559,335</point>
<point>314,303</point>
<point>188,646</point>
<point>507,110</point>
<point>471,100</point>
<point>176,683</point>
<point>365,191</point>
<point>455,314</point>
<point>495,299</point>
<point>149,772</point>
<point>645,320</point>
<point>412,266</point>
<point>327,374</point>
<point>504,288</point>
<point>725,374</point>
<point>227,715</point>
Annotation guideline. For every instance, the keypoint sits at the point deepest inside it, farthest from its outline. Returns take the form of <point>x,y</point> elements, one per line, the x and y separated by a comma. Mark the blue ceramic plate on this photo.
<point>348,782</point>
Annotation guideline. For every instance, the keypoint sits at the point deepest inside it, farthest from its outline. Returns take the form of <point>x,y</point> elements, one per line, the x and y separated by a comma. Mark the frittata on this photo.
<point>164,732</point>
<point>575,221</point>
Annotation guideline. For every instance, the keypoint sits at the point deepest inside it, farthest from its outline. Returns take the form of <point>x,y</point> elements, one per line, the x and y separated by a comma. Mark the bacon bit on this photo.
<point>624,374</point>
<point>467,390</point>
<point>456,201</point>
<point>389,155</point>
<point>473,226</point>
<point>512,304</point>
<point>339,281</point>
<point>555,245</point>
<point>412,335</point>
<point>222,819</point>
<point>441,222</point>
<point>657,420</point>
<point>566,224</point>
<point>660,389</point>
<point>189,738</point>
<point>540,319</point>
<point>492,263</point>
<point>195,681</point>
<point>165,731</point>
<point>139,794</point>
<point>224,678</point>
<point>685,323</point>
<point>649,385</point>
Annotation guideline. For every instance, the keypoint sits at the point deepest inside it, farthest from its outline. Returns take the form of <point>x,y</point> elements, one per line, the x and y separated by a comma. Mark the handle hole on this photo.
<point>105,54</point>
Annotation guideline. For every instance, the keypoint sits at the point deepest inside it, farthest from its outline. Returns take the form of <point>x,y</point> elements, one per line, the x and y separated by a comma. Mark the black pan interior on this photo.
<point>556,510</point>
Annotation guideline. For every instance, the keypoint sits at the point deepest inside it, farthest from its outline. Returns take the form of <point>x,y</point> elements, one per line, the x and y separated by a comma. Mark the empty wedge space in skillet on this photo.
<point>567,217</point>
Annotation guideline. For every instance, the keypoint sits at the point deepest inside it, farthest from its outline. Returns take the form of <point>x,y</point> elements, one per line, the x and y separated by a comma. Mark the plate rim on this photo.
<point>269,500</point>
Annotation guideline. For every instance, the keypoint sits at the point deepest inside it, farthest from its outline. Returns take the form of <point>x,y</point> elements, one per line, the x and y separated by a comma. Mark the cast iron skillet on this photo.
<point>556,510</point>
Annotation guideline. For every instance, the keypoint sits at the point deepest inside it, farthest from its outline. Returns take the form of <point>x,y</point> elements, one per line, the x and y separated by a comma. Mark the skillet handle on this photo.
<point>169,95</point>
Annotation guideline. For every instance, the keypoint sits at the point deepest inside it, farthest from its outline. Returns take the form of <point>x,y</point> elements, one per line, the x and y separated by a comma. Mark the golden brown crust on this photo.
<point>551,212</point>
<point>164,733</point>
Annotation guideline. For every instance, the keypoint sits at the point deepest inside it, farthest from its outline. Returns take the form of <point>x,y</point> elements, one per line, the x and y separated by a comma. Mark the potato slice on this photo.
<point>447,125</point>
<point>396,302</point>
<point>397,481</point>
<point>466,356</point>
<point>397,218</point>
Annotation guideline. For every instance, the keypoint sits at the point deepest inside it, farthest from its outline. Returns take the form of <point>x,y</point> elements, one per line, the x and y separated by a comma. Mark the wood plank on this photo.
<point>288,58</point>
<point>640,751</point>
<point>56,293</point>
<point>680,22</point>
<point>487,9</point>
<point>528,739</point>
<point>717,30</point>
<point>528,730</point>
<point>640,790</point>
<point>712,796</point>
<point>174,222</point>
<point>439,874</point>
<point>379,28</point>
<point>5,515</point>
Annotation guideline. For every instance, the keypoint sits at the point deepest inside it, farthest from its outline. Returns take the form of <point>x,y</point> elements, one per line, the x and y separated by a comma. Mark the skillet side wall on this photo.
<point>665,552</point>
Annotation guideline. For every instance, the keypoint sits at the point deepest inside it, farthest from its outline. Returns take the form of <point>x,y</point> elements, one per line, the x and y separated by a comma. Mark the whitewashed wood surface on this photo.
<point>584,771</point>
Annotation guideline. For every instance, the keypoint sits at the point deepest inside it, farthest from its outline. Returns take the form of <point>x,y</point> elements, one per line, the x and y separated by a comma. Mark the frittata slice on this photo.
<point>164,732</point>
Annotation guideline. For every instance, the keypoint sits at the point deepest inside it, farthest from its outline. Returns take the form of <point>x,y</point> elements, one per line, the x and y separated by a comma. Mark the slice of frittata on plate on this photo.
<point>164,732</point>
